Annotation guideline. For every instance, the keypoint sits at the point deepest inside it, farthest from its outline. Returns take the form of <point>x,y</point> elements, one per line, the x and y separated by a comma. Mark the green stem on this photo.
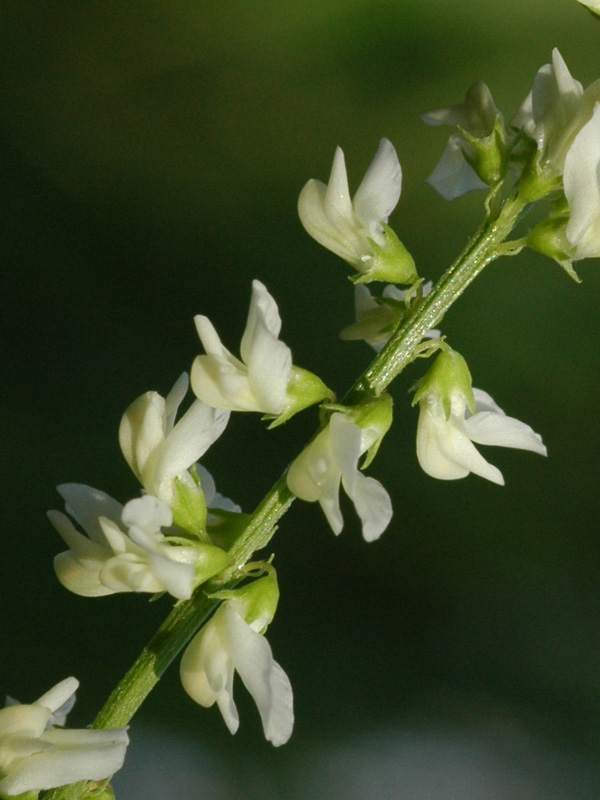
<point>186,617</point>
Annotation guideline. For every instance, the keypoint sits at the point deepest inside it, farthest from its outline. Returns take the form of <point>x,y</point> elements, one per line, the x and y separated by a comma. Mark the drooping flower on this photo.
<point>357,230</point>
<point>474,158</point>
<point>233,641</point>
<point>265,379</point>
<point>332,459</point>
<point>125,549</point>
<point>161,451</point>
<point>378,317</point>
<point>453,415</point>
<point>35,756</point>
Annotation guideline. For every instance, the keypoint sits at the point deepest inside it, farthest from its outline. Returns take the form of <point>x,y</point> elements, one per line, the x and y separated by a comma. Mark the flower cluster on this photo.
<point>38,753</point>
<point>179,537</point>
<point>552,145</point>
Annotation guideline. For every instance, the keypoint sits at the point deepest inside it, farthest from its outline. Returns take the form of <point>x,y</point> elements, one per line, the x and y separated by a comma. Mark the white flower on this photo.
<point>332,458</point>
<point>582,189</point>
<point>157,449</point>
<point>377,319</point>
<point>593,5</point>
<point>265,380</point>
<point>259,381</point>
<point>555,111</point>
<point>227,644</point>
<point>476,116</point>
<point>445,441</point>
<point>126,550</point>
<point>352,229</point>
<point>34,756</point>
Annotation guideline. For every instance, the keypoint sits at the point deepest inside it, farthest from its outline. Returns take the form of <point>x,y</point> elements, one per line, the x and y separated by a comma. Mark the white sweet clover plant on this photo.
<point>181,538</point>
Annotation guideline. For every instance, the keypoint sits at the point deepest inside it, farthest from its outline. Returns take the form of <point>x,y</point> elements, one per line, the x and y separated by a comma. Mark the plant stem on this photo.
<point>186,617</point>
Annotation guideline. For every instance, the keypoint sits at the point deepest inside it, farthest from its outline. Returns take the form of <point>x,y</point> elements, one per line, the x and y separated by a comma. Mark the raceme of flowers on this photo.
<point>35,755</point>
<point>165,540</point>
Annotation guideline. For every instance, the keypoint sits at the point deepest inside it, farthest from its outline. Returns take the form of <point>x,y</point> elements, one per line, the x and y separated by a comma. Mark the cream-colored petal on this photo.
<point>379,191</point>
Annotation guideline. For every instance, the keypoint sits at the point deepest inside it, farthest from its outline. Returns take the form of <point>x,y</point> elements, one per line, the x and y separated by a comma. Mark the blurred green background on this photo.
<point>152,154</point>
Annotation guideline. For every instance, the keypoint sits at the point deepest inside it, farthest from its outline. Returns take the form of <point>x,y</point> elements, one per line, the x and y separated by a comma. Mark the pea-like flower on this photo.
<point>453,416</point>
<point>35,756</point>
<point>474,157</point>
<point>125,549</point>
<point>265,379</point>
<point>161,451</point>
<point>233,641</point>
<point>554,112</point>
<point>356,229</point>
<point>331,460</point>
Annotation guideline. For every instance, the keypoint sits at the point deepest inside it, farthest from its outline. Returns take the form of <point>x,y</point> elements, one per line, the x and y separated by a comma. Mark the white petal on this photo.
<point>59,695</point>
<point>189,440</point>
<point>175,576</point>
<point>204,665</point>
<point>174,399</point>
<point>264,679</point>
<point>335,233</point>
<point>141,432</point>
<point>222,383</point>
<point>485,402</point>
<point>78,755</point>
<point>86,505</point>
<point>263,311</point>
<point>444,452</point>
<point>582,189</point>
<point>373,505</point>
<point>337,195</point>
<point>453,176</point>
<point>380,188</point>
<point>79,579</point>
<point>148,513</point>
<point>487,427</point>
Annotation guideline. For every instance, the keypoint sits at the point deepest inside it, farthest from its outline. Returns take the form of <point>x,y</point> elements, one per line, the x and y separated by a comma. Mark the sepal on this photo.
<point>304,389</point>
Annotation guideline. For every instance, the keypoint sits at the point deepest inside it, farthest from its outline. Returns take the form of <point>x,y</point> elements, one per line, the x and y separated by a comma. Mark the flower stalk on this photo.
<point>402,348</point>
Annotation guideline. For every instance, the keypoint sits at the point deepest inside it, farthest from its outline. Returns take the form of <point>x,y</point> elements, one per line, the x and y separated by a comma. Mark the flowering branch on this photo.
<point>183,538</point>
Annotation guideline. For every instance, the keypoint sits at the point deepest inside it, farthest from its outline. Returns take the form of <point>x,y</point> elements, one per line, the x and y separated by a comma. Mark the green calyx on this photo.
<point>390,262</point>
<point>488,154</point>
<point>304,389</point>
<point>189,508</point>
<point>255,602</point>
<point>448,375</point>
<point>549,238</point>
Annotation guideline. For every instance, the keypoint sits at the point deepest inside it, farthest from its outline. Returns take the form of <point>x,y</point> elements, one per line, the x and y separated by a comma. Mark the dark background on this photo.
<point>152,154</point>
